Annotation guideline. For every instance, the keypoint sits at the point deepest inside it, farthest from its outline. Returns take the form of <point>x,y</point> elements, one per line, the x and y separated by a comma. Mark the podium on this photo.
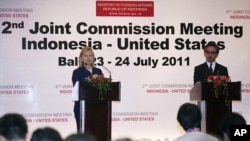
<point>214,108</point>
<point>98,112</point>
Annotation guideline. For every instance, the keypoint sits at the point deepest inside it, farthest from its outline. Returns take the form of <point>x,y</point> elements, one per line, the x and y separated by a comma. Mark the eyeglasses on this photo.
<point>210,52</point>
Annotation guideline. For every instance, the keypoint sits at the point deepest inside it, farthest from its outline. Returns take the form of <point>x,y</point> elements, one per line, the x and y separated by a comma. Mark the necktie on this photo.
<point>210,68</point>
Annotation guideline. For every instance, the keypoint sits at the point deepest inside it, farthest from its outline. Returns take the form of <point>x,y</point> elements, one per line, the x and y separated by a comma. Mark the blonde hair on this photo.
<point>83,51</point>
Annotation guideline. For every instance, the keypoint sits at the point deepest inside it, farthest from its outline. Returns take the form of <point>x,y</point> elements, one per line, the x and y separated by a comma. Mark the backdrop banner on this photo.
<point>150,46</point>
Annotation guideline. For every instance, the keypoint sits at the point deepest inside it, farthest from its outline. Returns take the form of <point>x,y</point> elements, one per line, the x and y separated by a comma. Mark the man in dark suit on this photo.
<point>202,71</point>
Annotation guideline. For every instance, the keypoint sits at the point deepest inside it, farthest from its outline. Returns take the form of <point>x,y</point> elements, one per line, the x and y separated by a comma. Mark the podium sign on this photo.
<point>213,109</point>
<point>97,112</point>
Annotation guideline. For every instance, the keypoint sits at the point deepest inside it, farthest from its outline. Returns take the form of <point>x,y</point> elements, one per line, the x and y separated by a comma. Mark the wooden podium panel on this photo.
<point>98,112</point>
<point>97,119</point>
<point>214,109</point>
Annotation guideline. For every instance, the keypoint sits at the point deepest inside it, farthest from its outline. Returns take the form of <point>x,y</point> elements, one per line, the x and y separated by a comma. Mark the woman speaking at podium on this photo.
<point>86,68</point>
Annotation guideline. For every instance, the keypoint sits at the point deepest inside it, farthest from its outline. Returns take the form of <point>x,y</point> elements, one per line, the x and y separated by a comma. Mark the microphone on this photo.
<point>108,71</point>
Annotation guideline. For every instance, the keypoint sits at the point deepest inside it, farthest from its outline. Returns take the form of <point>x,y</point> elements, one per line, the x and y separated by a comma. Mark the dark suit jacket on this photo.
<point>201,72</point>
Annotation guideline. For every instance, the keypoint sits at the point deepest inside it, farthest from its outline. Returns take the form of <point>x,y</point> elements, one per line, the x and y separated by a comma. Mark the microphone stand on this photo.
<point>108,71</point>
